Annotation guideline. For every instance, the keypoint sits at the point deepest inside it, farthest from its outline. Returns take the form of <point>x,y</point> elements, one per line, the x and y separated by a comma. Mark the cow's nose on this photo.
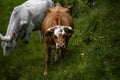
<point>61,45</point>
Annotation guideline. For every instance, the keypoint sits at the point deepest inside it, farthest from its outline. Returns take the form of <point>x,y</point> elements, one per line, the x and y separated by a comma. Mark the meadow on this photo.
<point>93,52</point>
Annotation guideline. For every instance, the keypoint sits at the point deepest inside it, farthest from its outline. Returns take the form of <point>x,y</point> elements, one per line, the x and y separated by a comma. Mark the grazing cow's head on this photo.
<point>60,34</point>
<point>8,43</point>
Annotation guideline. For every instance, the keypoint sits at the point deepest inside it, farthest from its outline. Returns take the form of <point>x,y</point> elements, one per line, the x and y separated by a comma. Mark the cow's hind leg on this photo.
<point>41,36</point>
<point>56,55</point>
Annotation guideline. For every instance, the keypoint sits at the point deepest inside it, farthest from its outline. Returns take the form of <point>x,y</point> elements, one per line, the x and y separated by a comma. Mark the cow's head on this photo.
<point>60,34</point>
<point>8,43</point>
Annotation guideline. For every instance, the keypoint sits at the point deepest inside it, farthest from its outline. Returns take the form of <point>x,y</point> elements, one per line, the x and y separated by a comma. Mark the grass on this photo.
<point>93,52</point>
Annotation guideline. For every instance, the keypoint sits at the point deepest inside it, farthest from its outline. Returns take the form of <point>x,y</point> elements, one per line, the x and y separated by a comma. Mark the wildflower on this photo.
<point>81,72</point>
<point>79,66</point>
<point>82,54</point>
<point>64,71</point>
<point>91,32</point>
<point>109,45</point>
<point>101,37</point>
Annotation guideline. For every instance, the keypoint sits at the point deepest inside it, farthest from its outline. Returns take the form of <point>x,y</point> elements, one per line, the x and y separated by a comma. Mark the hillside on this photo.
<point>93,52</point>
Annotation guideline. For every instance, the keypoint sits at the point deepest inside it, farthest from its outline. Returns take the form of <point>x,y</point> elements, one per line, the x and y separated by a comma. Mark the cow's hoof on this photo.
<point>4,54</point>
<point>26,42</point>
<point>56,58</point>
<point>45,73</point>
<point>62,56</point>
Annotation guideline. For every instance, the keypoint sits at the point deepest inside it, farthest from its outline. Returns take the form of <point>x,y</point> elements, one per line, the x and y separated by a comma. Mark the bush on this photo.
<point>80,7</point>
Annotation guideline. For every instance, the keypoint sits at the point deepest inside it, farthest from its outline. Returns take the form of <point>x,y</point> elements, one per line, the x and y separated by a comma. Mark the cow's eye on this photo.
<point>55,36</point>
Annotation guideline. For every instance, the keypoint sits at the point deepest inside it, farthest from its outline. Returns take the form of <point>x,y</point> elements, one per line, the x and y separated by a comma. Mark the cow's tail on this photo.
<point>58,19</point>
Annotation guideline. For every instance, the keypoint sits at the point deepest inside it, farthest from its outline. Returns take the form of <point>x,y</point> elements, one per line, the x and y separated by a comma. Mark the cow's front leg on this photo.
<point>63,52</point>
<point>22,34</point>
<point>47,59</point>
<point>28,32</point>
<point>56,55</point>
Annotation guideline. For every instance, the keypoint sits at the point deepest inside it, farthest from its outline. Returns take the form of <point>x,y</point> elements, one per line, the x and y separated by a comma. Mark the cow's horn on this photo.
<point>52,28</point>
<point>68,27</point>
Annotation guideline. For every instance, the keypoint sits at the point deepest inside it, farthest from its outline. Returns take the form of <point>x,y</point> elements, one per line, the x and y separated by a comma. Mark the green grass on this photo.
<point>93,52</point>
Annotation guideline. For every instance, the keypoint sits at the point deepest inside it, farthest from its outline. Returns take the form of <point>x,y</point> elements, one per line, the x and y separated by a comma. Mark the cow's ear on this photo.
<point>48,11</point>
<point>13,36</point>
<point>1,36</point>
<point>49,33</point>
<point>69,31</point>
<point>70,9</point>
<point>58,4</point>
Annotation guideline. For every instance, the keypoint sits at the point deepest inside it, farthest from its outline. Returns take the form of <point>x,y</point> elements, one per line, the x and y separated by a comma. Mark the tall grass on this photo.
<point>92,54</point>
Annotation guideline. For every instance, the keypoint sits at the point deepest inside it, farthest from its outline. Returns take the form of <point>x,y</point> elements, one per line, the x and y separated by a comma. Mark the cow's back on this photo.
<point>57,18</point>
<point>37,9</point>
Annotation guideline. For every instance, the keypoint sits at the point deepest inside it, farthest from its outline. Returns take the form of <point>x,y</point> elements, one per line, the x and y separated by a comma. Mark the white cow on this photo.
<point>24,19</point>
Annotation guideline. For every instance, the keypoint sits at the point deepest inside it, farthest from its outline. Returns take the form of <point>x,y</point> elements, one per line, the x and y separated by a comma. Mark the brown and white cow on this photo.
<point>57,29</point>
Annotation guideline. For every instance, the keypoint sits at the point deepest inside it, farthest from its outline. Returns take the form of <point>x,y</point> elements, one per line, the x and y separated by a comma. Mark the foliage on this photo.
<point>93,52</point>
<point>79,6</point>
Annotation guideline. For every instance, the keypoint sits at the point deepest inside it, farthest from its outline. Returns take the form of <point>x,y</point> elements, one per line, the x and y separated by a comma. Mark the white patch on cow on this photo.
<point>57,45</point>
<point>23,22</point>
<point>59,30</point>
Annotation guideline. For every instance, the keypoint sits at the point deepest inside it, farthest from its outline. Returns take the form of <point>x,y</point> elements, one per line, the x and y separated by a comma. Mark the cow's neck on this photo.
<point>12,27</point>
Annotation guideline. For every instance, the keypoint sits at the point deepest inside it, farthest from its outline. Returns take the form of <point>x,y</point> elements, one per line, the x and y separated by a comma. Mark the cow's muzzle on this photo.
<point>60,46</point>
